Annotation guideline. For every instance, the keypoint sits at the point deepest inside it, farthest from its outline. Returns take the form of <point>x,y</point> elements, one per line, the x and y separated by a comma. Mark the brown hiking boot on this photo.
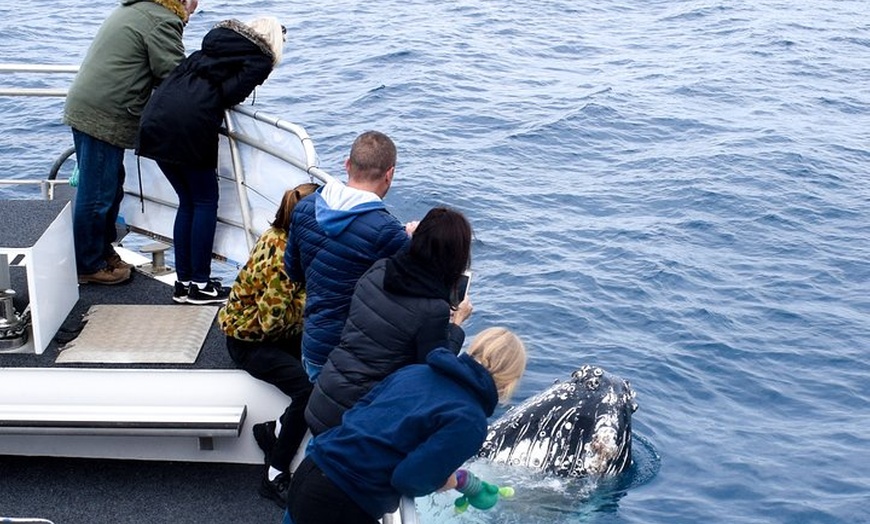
<point>115,261</point>
<point>106,276</point>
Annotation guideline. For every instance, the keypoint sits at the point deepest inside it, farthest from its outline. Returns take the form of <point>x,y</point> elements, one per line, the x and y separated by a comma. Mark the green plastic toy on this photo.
<point>477,493</point>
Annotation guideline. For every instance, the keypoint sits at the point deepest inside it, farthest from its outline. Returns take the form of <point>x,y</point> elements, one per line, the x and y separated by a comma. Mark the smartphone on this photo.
<point>461,288</point>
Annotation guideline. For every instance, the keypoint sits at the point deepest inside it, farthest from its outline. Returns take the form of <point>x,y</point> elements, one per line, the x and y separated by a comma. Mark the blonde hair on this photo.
<point>273,32</point>
<point>503,354</point>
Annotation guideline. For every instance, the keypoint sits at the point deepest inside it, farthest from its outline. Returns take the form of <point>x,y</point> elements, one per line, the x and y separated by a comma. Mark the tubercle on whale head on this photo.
<point>629,396</point>
<point>585,370</point>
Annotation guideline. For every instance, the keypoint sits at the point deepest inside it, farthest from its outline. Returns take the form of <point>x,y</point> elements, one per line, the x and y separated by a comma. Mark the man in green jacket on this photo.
<point>137,46</point>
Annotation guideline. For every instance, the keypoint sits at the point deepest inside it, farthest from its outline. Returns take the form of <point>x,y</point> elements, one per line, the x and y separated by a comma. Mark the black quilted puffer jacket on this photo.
<point>399,313</point>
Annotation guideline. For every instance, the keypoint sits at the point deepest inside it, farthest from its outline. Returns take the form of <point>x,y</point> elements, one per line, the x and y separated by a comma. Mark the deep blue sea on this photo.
<point>676,191</point>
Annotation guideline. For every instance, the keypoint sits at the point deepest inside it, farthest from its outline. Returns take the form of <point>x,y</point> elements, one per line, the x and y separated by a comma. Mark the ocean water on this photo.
<point>675,191</point>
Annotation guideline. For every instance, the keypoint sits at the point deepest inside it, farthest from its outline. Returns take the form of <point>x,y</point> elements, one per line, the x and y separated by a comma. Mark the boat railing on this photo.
<point>406,513</point>
<point>35,68</point>
<point>310,156</point>
<point>307,162</point>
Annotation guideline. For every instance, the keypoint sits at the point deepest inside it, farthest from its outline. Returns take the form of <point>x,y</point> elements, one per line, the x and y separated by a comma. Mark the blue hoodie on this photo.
<point>336,234</point>
<point>409,433</point>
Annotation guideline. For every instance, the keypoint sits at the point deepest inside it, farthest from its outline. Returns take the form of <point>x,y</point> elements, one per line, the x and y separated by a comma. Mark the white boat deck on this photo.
<point>86,392</point>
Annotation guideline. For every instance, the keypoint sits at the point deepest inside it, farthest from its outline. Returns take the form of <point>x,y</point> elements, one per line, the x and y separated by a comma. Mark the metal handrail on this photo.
<point>38,68</point>
<point>235,157</point>
<point>307,144</point>
<point>35,68</point>
<point>309,165</point>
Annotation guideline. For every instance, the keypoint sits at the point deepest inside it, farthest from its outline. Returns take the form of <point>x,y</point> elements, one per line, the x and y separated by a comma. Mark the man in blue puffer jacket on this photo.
<point>335,235</point>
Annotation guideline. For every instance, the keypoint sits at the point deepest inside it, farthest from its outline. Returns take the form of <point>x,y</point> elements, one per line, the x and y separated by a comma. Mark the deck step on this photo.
<point>203,422</point>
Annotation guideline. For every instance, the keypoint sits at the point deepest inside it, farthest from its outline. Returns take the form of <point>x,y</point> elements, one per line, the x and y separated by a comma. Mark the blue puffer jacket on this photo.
<point>409,433</point>
<point>336,234</point>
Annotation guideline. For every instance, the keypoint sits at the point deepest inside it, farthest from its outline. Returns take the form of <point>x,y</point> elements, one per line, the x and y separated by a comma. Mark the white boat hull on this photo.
<point>77,389</point>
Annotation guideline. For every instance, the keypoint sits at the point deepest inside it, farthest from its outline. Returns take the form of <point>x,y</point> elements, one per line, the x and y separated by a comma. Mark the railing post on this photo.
<point>239,172</point>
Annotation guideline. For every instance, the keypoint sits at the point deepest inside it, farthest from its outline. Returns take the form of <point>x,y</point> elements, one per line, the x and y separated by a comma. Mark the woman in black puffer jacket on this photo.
<point>179,129</point>
<point>400,311</point>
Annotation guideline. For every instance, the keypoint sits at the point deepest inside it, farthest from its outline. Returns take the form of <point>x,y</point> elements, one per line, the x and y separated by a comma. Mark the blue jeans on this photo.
<point>98,198</point>
<point>195,220</point>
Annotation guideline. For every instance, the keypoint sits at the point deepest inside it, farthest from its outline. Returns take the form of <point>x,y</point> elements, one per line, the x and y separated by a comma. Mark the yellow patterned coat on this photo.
<point>264,304</point>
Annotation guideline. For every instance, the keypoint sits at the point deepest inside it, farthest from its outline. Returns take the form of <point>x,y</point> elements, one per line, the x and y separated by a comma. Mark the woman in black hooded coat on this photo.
<point>179,129</point>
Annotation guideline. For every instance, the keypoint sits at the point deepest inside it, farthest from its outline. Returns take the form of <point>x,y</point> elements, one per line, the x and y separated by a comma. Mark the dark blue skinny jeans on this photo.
<point>195,220</point>
<point>98,198</point>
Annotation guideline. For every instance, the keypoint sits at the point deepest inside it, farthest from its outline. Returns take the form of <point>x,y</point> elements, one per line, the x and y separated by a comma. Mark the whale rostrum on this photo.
<point>577,428</point>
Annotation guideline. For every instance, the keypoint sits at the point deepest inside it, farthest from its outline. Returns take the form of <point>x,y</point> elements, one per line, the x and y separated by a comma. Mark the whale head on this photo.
<point>577,428</point>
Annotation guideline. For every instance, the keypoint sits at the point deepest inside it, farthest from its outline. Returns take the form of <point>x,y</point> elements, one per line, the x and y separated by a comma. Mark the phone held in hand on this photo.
<point>461,289</point>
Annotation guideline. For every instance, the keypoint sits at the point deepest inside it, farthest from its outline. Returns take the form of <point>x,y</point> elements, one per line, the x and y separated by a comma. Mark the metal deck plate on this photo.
<point>134,334</point>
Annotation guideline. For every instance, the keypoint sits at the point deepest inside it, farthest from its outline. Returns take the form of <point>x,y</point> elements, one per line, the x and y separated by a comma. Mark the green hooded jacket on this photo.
<point>137,46</point>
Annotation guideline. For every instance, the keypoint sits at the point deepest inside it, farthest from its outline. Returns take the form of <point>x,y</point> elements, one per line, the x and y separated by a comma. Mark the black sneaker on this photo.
<point>210,294</point>
<point>277,489</point>
<point>180,294</point>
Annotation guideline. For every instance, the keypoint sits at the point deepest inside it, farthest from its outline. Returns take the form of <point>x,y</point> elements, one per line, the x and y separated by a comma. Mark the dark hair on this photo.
<point>371,155</point>
<point>442,240</point>
<point>289,201</point>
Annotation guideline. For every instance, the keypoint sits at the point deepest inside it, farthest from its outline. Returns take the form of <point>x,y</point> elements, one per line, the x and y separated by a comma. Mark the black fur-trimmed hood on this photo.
<point>244,30</point>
